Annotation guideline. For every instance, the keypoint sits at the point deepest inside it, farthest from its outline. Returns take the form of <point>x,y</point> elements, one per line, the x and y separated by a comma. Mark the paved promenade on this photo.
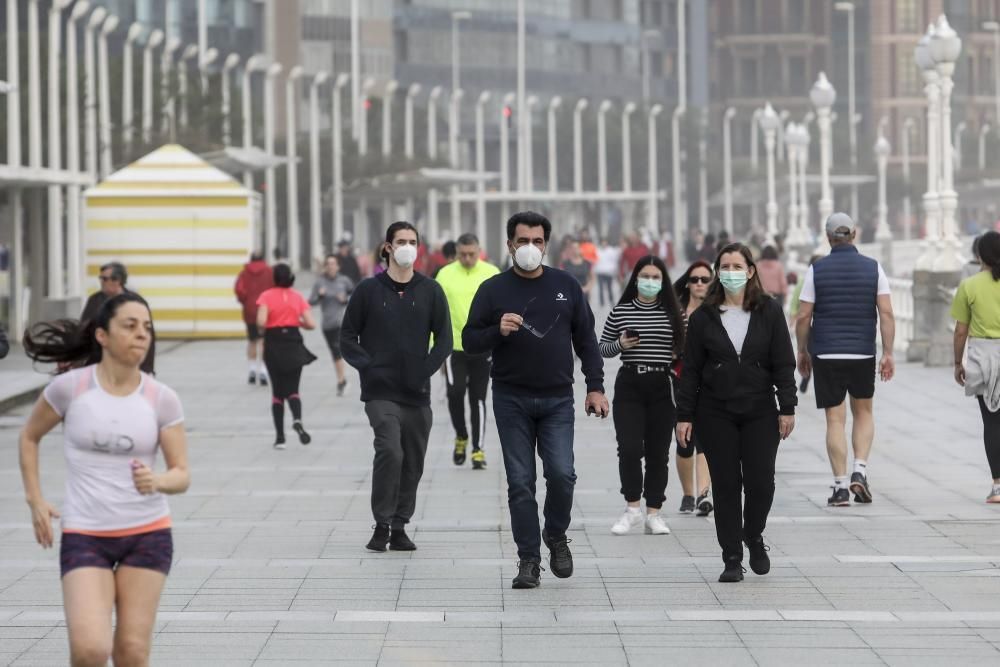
<point>270,567</point>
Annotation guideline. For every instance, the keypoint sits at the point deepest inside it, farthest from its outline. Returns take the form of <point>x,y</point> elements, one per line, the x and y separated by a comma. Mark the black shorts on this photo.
<point>834,379</point>
<point>152,551</point>
<point>333,342</point>
<point>253,332</point>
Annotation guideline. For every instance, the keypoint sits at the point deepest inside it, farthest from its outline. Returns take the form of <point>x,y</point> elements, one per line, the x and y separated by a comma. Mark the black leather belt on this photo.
<point>642,369</point>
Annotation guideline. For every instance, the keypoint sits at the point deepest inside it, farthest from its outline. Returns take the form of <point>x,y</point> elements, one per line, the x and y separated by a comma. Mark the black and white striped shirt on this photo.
<point>656,336</point>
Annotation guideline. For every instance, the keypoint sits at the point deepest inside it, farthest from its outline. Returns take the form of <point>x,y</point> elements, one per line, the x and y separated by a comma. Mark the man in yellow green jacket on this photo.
<point>470,373</point>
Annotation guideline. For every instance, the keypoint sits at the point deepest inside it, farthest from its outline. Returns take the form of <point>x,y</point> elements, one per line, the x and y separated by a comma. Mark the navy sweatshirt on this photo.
<point>537,360</point>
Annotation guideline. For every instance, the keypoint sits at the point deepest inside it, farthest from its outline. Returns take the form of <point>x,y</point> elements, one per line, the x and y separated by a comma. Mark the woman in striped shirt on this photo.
<point>645,328</point>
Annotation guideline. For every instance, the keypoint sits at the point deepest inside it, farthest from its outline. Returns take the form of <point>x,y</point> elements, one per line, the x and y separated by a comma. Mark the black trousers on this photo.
<point>740,450</point>
<point>468,373</point>
<point>991,437</point>
<point>401,433</point>
<point>644,416</point>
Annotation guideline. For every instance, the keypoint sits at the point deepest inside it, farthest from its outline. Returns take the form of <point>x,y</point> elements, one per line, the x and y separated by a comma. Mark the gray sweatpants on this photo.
<point>401,433</point>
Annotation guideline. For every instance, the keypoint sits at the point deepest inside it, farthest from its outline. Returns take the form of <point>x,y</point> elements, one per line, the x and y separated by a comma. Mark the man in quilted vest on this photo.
<point>845,296</point>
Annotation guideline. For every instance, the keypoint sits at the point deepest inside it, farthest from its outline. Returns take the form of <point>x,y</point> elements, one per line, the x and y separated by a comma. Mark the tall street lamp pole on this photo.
<point>554,105</point>
<point>791,145</point>
<point>355,70</point>
<point>74,258</point>
<point>453,127</point>
<point>190,53</point>
<point>387,101</point>
<point>882,151</point>
<point>110,25</point>
<point>769,121</point>
<point>932,197</point>
<point>822,96</point>
<point>602,146</point>
<point>456,51</point>
<point>994,27</point>
<point>411,93</point>
<point>270,196</point>
<point>727,168</point>
<point>315,175</point>
<point>292,149</point>
<point>338,157</point>
<point>90,92</point>
<point>484,98</point>
<point>154,41</point>
<point>167,98</point>
<point>56,246</point>
<point>804,208</point>
<point>581,105</point>
<point>680,222</point>
<point>204,64</point>
<point>627,112</point>
<point>522,102</point>
<point>255,63</point>
<point>432,149</point>
<point>652,206</point>
<point>945,48</point>
<point>128,106</point>
<point>851,101</point>
<point>232,62</point>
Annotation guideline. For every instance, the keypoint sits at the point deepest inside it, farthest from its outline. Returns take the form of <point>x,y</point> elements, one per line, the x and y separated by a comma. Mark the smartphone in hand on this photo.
<point>631,333</point>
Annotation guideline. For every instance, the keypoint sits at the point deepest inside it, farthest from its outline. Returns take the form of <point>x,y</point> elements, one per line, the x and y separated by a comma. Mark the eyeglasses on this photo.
<point>533,330</point>
<point>107,279</point>
<point>704,280</point>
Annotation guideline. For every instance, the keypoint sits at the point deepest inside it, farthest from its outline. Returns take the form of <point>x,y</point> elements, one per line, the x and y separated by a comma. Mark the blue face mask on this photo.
<point>733,281</point>
<point>649,287</point>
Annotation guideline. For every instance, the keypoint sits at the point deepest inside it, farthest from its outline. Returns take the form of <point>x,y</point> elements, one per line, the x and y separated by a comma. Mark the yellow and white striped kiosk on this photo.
<point>183,229</point>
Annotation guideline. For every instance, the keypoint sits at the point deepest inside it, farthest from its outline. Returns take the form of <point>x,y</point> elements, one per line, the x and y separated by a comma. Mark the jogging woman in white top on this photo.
<point>116,546</point>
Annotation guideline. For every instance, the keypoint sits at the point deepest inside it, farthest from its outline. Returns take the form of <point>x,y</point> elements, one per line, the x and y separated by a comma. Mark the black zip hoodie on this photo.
<point>744,382</point>
<point>386,336</point>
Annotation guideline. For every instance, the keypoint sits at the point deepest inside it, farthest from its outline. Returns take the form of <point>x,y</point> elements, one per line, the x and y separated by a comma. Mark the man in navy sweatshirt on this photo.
<point>532,318</point>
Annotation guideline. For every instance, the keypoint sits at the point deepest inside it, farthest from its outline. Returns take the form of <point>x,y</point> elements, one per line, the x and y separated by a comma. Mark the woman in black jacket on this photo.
<point>738,358</point>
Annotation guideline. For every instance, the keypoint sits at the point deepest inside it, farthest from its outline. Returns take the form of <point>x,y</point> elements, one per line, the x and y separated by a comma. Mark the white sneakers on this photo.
<point>655,525</point>
<point>633,518</point>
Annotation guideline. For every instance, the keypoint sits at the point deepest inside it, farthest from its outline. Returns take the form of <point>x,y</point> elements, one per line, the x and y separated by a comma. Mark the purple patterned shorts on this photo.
<point>153,551</point>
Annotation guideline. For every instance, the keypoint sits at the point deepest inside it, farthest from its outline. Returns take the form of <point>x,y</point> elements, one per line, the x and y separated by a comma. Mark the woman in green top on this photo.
<point>976,309</point>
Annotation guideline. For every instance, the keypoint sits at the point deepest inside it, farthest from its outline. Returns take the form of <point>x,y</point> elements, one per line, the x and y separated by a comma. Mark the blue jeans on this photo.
<point>523,422</point>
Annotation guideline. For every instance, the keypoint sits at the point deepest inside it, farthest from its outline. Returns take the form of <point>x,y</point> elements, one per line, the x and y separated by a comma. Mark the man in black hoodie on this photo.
<point>386,335</point>
<point>532,318</point>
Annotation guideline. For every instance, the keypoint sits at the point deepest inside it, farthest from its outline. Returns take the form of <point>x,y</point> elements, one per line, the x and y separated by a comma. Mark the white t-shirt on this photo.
<point>737,324</point>
<point>808,295</point>
<point>103,433</point>
<point>607,260</point>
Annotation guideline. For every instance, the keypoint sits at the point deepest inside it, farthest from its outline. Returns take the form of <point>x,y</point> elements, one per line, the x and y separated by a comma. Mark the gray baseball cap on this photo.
<point>837,223</point>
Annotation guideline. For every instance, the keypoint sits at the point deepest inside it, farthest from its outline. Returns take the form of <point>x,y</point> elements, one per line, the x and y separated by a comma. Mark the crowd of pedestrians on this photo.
<point>707,359</point>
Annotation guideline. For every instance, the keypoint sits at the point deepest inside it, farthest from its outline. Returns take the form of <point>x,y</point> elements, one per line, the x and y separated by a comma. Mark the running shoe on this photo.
<point>733,572</point>
<point>859,487</point>
<point>760,563</point>
<point>252,379</point>
<point>560,557</point>
<point>279,442</point>
<point>841,498</point>
<point>704,503</point>
<point>655,525</point>
<point>304,437</point>
<point>262,380</point>
<point>631,518</point>
<point>380,538</point>
<point>528,573</point>
<point>687,505</point>
<point>459,455</point>
<point>400,541</point>
<point>994,496</point>
<point>340,387</point>
<point>478,459</point>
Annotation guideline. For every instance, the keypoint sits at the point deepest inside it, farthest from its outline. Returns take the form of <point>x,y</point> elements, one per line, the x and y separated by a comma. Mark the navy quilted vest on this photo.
<point>846,314</point>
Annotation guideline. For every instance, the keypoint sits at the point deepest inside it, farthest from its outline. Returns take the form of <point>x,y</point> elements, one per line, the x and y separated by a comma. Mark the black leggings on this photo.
<point>468,372</point>
<point>643,412</point>
<point>991,437</point>
<point>285,387</point>
<point>740,450</point>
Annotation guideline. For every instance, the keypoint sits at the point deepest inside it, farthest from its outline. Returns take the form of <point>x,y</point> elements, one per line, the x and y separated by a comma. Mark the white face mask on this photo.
<point>405,255</point>
<point>528,257</point>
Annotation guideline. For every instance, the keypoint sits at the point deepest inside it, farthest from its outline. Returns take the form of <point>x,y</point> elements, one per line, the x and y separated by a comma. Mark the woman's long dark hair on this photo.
<point>754,297</point>
<point>989,252</point>
<point>681,288</point>
<point>73,343</point>
<point>668,300</point>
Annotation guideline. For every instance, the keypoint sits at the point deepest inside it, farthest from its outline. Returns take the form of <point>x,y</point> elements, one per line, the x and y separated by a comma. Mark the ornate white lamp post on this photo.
<point>945,48</point>
<point>822,97</point>
<point>769,122</point>
<point>882,151</point>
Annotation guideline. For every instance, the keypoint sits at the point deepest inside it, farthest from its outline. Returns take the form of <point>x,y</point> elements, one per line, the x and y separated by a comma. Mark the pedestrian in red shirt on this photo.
<point>633,252</point>
<point>253,280</point>
<point>281,312</point>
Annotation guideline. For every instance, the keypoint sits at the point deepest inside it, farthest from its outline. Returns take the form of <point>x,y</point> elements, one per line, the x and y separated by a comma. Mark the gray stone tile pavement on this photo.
<point>270,567</point>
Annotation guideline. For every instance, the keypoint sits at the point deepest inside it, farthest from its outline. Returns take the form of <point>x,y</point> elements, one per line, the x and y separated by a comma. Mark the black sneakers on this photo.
<point>687,505</point>
<point>760,563</point>
<point>733,572</point>
<point>380,538</point>
<point>304,437</point>
<point>704,503</point>
<point>528,573</point>
<point>560,558</point>
<point>859,487</point>
<point>340,387</point>
<point>841,498</point>
<point>252,379</point>
<point>400,541</point>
